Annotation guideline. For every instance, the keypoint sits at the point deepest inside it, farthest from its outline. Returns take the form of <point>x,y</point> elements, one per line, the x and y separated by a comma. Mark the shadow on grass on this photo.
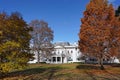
<point>96,77</point>
<point>24,72</point>
<point>115,65</point>
<point>113,75</point>
<point>33,71</point>
<point>88,67</point>
<point>93,76</point>
<point>52,72</point>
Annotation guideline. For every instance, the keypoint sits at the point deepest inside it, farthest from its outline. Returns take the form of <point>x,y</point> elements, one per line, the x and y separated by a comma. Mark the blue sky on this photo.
<point>63,16</point>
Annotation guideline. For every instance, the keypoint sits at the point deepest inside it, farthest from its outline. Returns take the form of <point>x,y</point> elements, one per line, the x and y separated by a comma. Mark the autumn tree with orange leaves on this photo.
<point>117,30</point>
<point>98,36</point>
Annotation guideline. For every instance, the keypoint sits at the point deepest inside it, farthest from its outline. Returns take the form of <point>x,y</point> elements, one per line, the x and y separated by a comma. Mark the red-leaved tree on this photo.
<point>97,37</point>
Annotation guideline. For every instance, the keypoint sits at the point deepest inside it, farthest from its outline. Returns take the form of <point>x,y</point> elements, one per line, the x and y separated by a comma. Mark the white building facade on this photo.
<point>64,52</point>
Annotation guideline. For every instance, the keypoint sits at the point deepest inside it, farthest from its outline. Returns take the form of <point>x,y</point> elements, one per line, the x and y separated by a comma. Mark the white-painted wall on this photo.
<point>63,51</point>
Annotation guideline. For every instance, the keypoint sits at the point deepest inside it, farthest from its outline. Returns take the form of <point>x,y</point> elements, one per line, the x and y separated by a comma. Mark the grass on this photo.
<point>65,72</point>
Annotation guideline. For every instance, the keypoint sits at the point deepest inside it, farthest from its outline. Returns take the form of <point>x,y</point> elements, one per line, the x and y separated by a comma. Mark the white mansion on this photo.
<point>64,52</point>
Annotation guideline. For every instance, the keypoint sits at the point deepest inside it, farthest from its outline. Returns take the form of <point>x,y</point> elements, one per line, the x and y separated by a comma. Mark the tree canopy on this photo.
<point>117,30</point>
<point>42,37</point>
<point>14,42</point>
<point>97,33</point>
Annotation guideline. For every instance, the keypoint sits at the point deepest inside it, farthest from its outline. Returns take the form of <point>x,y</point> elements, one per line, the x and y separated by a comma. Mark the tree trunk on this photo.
<point>38,57</point>
<point>0,60</point>
<point>101,63</point>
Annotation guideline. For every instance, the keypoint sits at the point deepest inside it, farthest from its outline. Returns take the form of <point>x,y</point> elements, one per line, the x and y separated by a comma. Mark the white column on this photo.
<point>61,59</point>
<point>74,54</point>
<point>56,59</point>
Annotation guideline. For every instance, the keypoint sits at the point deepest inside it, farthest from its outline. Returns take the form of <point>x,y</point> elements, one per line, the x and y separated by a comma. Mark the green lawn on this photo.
<point>65,72</point>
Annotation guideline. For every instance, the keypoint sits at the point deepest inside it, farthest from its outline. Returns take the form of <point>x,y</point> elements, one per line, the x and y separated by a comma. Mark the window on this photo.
<point>70,59</point>
<point>78,58</point>
<point>58,59</point>
<point>71,51</point>
<point>49,59</point>
<point>54,59</point>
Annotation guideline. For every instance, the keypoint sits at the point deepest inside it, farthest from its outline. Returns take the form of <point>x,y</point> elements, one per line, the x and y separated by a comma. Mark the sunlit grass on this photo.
<point>65,72</point>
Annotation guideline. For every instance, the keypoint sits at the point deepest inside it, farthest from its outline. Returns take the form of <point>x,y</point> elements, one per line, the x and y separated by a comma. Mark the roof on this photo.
<point>64,45</point>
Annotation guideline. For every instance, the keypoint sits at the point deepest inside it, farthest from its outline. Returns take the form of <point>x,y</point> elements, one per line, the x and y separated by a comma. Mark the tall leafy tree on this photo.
<point>96,35</point>
<point>42,37</point>
<point>14,42</point>
<point>117,31</point>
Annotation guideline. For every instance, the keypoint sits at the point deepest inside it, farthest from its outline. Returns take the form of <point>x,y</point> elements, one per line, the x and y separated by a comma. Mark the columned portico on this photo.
<point>64,53</point>
<point>57,60</point>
